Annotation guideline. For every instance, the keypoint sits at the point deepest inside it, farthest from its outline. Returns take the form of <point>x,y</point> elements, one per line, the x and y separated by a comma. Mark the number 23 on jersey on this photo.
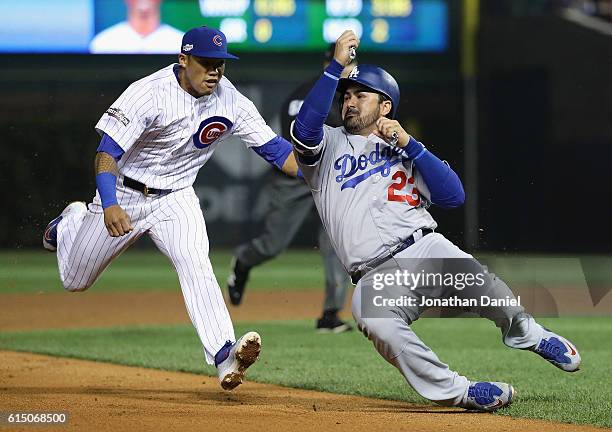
<point>396,191</point>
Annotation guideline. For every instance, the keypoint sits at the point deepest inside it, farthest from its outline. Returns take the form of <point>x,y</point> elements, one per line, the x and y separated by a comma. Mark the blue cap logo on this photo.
<point>206,42</point>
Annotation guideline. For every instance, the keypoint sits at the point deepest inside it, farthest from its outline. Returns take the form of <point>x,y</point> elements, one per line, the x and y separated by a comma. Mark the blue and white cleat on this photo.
<point>49,239</point>
<point>234,359</point>
<point>488,396</point>
<point>558,351</point>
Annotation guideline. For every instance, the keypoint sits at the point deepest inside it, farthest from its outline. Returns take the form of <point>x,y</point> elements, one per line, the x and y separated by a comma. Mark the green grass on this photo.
<point>140,270</point>
<point>294,355</point>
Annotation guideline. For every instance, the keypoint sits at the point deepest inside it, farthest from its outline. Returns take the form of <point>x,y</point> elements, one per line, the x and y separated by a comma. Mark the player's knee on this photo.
<point>191,260</point>
<point>378,330</point>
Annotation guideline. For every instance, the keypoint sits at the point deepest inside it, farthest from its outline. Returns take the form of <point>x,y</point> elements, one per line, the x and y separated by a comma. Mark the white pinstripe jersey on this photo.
<point>168,135</point>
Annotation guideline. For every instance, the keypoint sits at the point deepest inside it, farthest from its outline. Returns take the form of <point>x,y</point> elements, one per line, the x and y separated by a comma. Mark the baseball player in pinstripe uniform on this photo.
<point>155,138</point>
<point>372,183</point>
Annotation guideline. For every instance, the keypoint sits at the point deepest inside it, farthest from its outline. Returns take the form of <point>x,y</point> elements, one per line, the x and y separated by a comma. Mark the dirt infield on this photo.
<point>76,310</point>
<point>91,309</point>
<point>106,397</point>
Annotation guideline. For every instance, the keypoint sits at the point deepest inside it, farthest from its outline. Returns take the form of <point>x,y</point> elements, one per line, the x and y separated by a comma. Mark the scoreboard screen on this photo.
<point>124,26</point>
<point>382,25</point>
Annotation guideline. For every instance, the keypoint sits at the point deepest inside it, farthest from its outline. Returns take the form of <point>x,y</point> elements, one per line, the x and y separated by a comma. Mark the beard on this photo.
<point>357,123</point>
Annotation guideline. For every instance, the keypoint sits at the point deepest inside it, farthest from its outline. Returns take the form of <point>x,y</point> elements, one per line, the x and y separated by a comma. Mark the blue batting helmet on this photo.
<point>376,79</point>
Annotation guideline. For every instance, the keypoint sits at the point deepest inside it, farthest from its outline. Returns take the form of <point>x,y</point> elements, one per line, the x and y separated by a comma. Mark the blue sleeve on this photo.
<point>108,145</point>
<point>106,183</point>
<point>443,183</point>
<point>275,152</point>
<point>308,127</point>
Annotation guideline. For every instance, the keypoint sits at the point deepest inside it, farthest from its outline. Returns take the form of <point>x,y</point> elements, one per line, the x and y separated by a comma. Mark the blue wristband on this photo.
<point>414,149</point>
<point>334,68</point>
<point>107,187</point>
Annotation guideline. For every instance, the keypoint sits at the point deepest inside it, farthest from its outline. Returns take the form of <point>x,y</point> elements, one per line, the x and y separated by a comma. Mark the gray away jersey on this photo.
<point>369,198</point>
<point>168,135</point>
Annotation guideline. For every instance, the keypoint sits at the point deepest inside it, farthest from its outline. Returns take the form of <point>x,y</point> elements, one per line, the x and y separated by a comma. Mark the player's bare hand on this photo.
<point>346,40</point>
<point>117,221</point>
<point>387,127</point>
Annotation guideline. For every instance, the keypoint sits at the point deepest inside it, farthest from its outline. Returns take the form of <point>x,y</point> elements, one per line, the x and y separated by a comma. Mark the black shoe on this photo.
<point>330,323</point>
<point>236,281</point>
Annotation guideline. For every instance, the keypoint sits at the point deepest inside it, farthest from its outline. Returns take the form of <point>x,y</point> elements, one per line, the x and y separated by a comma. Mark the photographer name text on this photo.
<point>483,301</point>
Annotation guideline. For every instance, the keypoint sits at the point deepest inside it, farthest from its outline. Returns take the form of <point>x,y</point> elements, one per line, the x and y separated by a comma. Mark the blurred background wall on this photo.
<point>541,134</point>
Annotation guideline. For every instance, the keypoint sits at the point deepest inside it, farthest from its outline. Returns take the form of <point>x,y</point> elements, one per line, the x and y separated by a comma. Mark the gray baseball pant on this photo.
<point>389,328</point>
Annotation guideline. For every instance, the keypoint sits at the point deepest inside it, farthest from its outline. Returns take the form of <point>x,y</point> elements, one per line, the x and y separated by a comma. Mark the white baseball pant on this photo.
<point>176,224</point>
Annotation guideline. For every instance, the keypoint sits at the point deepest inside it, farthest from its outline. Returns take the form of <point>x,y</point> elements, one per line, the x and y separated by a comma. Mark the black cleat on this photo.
<point>330,323</point>
<point>236,281</point>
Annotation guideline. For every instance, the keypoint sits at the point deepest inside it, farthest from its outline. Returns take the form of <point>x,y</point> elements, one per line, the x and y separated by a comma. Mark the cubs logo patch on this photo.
<point>210,130</point>
<point>217,40</point>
